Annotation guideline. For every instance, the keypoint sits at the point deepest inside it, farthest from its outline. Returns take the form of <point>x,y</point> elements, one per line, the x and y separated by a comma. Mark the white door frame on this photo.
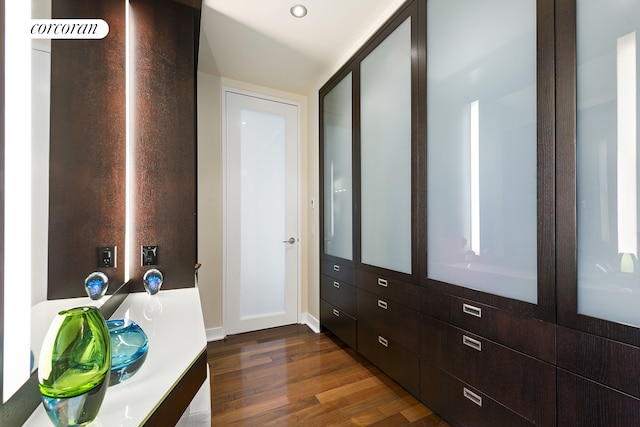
<point>225,90</point>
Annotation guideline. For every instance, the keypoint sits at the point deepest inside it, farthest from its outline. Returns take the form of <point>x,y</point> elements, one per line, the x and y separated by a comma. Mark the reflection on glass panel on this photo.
<point>481,145</point>
<point>386,152</point>
<point>262,275</point>
<point>607,138</point>
<point>338,190</point>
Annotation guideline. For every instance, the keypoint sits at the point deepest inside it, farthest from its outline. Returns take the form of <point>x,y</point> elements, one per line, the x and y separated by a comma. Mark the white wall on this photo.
<point>210,199</point>
<point>210,186</point>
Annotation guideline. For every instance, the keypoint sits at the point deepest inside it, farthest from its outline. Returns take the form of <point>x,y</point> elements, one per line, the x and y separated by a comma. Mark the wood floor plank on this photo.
<point>291,376</point>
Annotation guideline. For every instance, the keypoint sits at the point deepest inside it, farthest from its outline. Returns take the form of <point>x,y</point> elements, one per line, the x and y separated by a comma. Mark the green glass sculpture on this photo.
<point>74,366</point>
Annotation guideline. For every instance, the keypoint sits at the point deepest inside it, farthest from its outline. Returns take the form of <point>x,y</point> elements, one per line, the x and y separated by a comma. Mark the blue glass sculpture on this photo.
<point>96,285</point>
<point>129,345</point>
<point>152,281</point>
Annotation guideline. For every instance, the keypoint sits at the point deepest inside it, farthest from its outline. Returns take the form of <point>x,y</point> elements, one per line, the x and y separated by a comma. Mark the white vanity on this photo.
<point>174,372</point>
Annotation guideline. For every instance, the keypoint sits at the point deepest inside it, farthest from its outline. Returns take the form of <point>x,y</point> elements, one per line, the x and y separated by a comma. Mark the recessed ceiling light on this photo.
<point>299,11</point>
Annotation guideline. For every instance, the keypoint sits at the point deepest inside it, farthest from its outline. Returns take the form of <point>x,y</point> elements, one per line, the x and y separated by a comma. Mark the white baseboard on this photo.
<point>215,334</point>
<point>310,321</point>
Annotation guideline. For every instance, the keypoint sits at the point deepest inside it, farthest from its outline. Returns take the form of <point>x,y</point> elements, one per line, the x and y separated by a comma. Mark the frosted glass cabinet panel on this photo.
<point>607,166</point>
<point>385,150</point>
<point>482,145</point>
<point>338,189</point>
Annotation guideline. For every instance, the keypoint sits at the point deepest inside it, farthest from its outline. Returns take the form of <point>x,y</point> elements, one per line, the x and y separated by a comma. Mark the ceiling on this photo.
<point>259,42</point>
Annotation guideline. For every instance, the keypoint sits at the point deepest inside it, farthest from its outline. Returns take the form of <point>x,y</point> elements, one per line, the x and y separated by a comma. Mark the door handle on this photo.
<point>291,240</point>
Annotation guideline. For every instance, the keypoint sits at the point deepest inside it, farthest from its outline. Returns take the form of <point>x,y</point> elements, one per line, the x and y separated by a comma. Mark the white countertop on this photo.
<point>172,320</point>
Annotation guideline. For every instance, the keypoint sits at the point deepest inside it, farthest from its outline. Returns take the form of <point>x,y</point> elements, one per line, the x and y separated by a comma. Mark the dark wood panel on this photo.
<point>164,137</point>
<point>609,362</point>
<point>340,294</point>
<point>393,359</point>
<point>338,270</point>
<point>418,102</point>
<point>87,149</point>
<point>520,382</point>
<point>390,289</point>
<point>582,402</point>
<point>566,202</point>
<point>196,4</point>
<point>2,248</point>
<point>526,334</point>
<point>444,394</point>
<point>340,323</point>
<point>389,319</point>
<point>176,402</point>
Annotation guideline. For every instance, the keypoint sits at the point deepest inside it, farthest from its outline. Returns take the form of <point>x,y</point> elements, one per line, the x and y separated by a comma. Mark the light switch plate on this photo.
<point>149,255</point>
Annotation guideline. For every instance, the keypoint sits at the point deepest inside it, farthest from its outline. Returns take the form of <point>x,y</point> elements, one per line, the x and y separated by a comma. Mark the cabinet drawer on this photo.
<point>460,404</point>
<point>582,402</point>
<point>520,382</point>
<point>338,293</point>
<point>338,271</point>
<point>389,319</point>
<point>338,322</point>
<point>395,360</point>
<point>528,335</point>
<point>600,359</point>
<point>389,289</point>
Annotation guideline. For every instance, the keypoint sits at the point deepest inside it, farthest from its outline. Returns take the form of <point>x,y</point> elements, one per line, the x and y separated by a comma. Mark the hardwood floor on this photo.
<point>291,376</point>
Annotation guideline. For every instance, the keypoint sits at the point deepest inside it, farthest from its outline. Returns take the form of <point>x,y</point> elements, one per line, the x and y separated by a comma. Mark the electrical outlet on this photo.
<point>149,255</point>
<point>107,256</point>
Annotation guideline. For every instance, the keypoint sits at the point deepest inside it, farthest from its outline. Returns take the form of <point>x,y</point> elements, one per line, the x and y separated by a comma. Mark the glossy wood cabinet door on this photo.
<point>337,265</point>
<point>488,271</point>
<point>337,169</point>
<point>489,153</point>
<point>598,273</point>
<point>385,149</point>
<point>369,134</point>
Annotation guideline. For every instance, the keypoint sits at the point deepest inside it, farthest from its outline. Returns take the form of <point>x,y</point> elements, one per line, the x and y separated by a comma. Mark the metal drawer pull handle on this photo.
<point>382,304</point>
<point>336,267</point>
<point>336,313</point>
<point>470,342</point>
<point>383,341</point>
<point>382,282</point>
<point>336,285</point>
<point>474,311</point>
<point>472,396</point>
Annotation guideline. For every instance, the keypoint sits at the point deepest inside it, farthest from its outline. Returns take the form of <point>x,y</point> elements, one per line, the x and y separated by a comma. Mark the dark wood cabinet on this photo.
<point>364,300</point>
<point>462,404</point>
<point>518,381</point>
<point>495,339</point>
<point>598,325</point>
<point>338,310</point>
<point>585,402</point>
<point>521,333</point>
<point>389,355</point>
<point>341,323</point>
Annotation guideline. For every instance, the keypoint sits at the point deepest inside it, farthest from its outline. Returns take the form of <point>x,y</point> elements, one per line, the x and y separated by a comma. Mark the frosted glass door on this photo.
<point>607,173</point>
<point>385,150</point>
<point>482,145</point>
<point>338,189</point>
<point>261,201</point>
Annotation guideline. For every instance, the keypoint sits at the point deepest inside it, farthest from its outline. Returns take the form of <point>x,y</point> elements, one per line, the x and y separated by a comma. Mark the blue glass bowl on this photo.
<point>129,345</point>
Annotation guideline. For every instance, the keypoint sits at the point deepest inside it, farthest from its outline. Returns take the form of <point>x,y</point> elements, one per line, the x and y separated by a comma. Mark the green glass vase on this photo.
<point>74,366</point>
